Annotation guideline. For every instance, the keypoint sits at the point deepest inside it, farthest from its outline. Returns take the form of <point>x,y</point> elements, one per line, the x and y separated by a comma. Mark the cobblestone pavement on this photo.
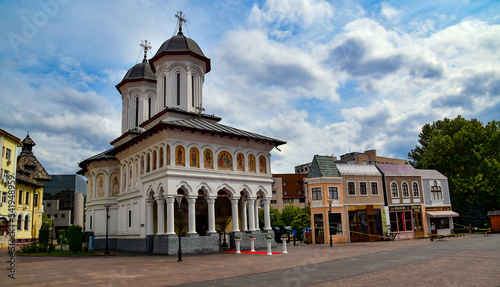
<point>462,261</point>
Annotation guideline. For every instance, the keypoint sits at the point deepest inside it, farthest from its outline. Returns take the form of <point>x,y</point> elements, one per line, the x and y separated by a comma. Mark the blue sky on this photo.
<point>325,76</point>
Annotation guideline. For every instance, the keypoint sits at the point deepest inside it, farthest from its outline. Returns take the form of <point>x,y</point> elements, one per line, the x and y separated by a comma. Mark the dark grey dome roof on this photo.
<point>139,72</point>
<point>180,43</point>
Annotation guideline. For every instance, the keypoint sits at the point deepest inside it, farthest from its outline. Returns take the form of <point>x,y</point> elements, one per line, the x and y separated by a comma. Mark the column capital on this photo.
<point>235,200</point>
<point>160,201</point>
<point>170,199</point>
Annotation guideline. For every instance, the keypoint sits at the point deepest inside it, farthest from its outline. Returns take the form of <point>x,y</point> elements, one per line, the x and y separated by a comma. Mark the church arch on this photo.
<point>227,189</point>
<point>184,186</point>
<point>114,184</point>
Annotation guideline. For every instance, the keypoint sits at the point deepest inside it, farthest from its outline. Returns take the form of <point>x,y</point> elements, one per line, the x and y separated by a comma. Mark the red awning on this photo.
<point>446,213</point>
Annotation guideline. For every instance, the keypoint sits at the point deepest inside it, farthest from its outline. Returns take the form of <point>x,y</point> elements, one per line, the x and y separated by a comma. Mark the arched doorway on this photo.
<point>201,213</point>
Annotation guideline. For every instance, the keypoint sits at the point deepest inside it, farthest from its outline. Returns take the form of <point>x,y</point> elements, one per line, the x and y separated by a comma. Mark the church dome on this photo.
<point>139,72</point>
<point>181,45</point>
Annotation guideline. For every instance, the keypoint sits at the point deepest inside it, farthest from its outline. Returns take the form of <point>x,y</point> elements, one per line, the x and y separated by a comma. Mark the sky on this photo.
<point>328,77</point>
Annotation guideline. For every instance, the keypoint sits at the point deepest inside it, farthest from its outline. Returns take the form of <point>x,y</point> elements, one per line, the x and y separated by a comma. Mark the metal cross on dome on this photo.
<point>146,45</point>
<point>181,20</point>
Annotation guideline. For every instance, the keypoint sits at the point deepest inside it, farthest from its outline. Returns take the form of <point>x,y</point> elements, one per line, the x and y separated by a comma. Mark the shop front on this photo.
<point>406,221</point>
<point>440,220</point>
<point>365,223</point>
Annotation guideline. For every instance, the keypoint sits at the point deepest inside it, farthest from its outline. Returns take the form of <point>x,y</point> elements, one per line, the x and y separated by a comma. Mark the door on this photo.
<point>319,229</point>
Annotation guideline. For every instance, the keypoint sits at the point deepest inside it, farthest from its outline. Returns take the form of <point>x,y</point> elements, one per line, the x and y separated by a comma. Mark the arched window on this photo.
<point>406,192</point>
<point>142,164</point>
<point>394,190</point>
<point>168,155</point>
<point>136,112</point>
<point>27,222</point>
<point>178,89</point>
<point>416,192</point>
<point>19,222</point>
<point>161,157</point>
<point>150,108</point>
<point>148,162</point>
<point>192,91</point>
<point>130,174</point>
<point>154,159</point>
<point>164,91</point>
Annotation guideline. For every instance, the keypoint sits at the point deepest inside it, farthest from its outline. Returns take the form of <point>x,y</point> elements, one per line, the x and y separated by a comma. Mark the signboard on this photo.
<point>414,208</point>
<point>438,208</point>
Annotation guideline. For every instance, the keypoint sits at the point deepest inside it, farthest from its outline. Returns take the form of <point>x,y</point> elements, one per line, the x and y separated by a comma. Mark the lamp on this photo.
<point>330,200</point>
<point>107,206</point>
<point>179,197</point>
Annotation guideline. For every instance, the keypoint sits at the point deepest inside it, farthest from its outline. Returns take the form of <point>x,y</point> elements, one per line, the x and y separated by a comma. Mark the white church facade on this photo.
<point>170,147</point>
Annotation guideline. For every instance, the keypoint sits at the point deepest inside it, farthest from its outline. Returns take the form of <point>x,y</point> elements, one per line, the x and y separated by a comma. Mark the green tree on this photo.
<point>46,222</point>
<point>289,213</point>
<point>468,153</point>
<point>300,222</point>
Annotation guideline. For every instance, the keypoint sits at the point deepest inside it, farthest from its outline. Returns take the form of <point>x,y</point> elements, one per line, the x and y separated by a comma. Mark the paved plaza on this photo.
<point>462,261</point>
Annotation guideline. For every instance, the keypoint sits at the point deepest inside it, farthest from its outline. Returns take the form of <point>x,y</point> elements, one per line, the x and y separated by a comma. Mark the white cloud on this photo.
<point>389,12</point>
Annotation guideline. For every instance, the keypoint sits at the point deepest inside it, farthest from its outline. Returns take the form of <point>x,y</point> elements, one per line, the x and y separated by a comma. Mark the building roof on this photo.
<point>105,155</point>
<point>431,174</point>
<point>29,169</point>
<point>493,212</point>
<point>358,169</point>
<point>323,166</point>
<point>397,169</point>
<point>139,72</point>
<point>181,45</point>
<point>9,135</point>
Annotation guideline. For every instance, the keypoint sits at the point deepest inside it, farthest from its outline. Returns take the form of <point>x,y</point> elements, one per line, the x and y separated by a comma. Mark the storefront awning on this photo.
<point>445,213</point>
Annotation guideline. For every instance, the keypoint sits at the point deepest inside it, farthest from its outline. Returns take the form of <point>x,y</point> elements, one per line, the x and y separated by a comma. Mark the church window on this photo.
<point>262,164</point>
<point>124,178</point>
<point>164,91</point>
<point>168,155</point>
<point>192,91</point>
<point>194,157</point>
<point>161,157</point>
<point>142,164</point>
<point>129,175</point>
<point>208,159</point>
<point>148,162</point>
<point>179,156</point>
<point>136,112</point>
<point>240,162</point>
<point>130,218</point>
<point>251,163</point>
<point>178,89</point>
<point>225,161</point>
<point>150,110</point>
<point>154,159</point>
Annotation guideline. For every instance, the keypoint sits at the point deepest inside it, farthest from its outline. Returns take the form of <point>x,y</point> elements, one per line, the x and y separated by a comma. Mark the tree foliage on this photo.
<point>75,238</point>
<point>468,153</point>
<point>289,213</point>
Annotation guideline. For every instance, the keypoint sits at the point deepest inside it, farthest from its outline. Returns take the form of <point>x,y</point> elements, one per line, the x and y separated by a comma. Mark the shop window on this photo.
<point>335,220</point>
<point>316,193</point>
<point>362,189</point>
<point>401,221</point>
<point>406,192</point>
<point>374,188</point>
<point>333,192</point>
<point>416,192</point>
<point>394,190</point>
<point>351,188</point>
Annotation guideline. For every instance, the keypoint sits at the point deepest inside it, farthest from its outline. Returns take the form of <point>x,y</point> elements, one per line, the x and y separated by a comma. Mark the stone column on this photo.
<point>161,216</point>
<point>243,215</point>
<point>149,217</point>
<point>234,213</point>
<point>267,216</point>
<point>170,215</point>
<point>251,215</point>
<point>119,221</point>
<point>192,214</point>
<point>211,214</point>
<point>257,203</point>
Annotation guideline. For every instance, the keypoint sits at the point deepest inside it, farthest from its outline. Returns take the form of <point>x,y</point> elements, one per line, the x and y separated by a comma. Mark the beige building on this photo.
<point>368,157</point>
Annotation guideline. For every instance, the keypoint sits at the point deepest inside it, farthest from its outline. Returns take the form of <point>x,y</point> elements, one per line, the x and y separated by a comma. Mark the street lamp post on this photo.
<point>107,206</point>
<point>179,201</point>
<point>329,221</point>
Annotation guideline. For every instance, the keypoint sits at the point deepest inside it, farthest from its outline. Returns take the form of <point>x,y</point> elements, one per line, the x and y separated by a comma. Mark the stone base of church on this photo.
<point>100,243</point>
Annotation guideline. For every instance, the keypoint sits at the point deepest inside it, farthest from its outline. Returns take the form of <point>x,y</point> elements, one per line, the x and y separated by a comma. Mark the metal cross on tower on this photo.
<point>146,45</point>
<point>181,20</point>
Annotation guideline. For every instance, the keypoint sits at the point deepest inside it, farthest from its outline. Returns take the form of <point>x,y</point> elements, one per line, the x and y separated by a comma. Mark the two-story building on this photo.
<point>437,213</point>
<point>9,144</point>
<point>327,212</point>
<point>363,201</point>
<point>403,200</point>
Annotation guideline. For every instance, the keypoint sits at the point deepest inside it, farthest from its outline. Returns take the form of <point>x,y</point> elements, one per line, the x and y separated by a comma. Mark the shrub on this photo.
<point>75,238</point>
<point>61,235</point>
<point>29,248</point>
<point>43,236</point>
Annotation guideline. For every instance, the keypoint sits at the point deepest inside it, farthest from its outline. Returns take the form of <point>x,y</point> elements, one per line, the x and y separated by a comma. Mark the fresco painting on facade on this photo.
<point>225,161</point>
<point>208,162</point>
<point>262,164</point>
<point>179,156</point>
<point>241,162</point>
<point>194,162</point>
<point>251,163</point>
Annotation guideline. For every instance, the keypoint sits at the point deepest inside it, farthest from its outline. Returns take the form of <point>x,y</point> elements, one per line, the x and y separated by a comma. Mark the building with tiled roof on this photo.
<point>169,146</point>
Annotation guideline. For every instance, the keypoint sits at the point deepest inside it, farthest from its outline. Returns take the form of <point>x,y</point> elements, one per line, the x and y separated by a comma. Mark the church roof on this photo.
<point>181,45</point>
<point>105,155</point>
<point>29,169</point>
<point>323,166</point>
<point>139,72</point>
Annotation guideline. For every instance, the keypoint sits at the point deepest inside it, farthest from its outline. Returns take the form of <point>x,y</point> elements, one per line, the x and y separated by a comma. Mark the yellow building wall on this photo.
<point>33,210</point>
<point>7,165</point>
<point>323,207</point>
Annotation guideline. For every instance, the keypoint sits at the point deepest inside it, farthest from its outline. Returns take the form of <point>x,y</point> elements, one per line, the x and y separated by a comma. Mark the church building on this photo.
<point>175,170</point>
